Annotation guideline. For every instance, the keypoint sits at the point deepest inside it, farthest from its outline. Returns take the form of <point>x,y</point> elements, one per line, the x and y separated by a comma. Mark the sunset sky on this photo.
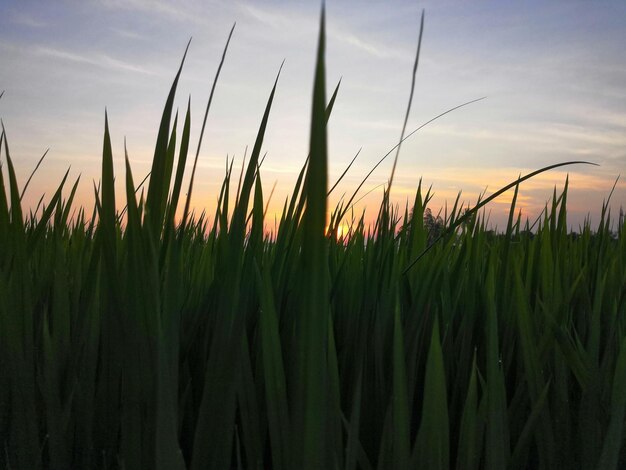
<point>554,74</point>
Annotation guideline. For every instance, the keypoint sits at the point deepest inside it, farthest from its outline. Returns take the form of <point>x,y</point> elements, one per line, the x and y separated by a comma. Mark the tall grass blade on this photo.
<point>180,168</point>
<point>432,443</point>
<point>33,173</point>
<point>469,447</point>
<point>314,326</point>
<point>614,439</point>
<point>408,108</point>
<point>16,205</point>
<point>206,114</point>
<point>274,377</point>
<point>400,406</point>
<point>497,450</point>
<point>155,201</point>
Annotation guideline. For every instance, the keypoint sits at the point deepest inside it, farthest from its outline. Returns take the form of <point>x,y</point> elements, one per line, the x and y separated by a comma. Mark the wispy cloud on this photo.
<point>299,22</point>
<point>274,19</point>
<point>97,60</point>
<point>571,138</point>
<point>380,51</point>
<point>126,34</point>
<point>166,9</point>
<point>597,115</point>
<point>24,19</point>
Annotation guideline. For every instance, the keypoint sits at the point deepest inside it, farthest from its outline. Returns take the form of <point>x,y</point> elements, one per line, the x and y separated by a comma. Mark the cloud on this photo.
<point>567,132</point>
<point>597,115</point>
<point>570,139</point>
<point>97,60</point>
<point>124,33</point>
<point>168,10</point>
<point>274,19</point>
<point>379,51</point>
<point>24,19</point>
<point>302,23</point>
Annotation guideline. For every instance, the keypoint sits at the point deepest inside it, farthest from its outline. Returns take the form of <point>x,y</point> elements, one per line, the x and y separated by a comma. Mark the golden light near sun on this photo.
<point>339,232</point>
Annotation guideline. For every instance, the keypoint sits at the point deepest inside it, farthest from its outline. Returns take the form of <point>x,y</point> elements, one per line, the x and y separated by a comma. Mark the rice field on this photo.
<point>136,334</point>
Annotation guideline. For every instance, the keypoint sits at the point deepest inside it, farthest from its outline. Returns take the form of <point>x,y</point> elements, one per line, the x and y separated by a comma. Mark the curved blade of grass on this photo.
<point>470,213</point>
<point>331,103</point>
<point>269,199</point>
<point>344,173</point>
<point>68,205</point>
<point>384,157</point>
<point>33,173</point>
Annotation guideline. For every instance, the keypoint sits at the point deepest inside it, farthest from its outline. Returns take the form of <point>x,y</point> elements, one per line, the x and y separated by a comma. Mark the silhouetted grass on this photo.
<point>128,340</point>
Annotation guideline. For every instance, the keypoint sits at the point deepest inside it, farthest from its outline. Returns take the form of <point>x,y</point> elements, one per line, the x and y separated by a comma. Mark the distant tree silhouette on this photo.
<point>433,225</point>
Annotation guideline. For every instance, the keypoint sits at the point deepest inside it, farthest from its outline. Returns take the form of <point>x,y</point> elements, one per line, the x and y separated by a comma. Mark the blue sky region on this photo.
<point>553,74</point>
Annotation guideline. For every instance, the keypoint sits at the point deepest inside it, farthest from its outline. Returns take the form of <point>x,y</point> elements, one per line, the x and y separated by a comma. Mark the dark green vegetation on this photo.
<point>128,340</point>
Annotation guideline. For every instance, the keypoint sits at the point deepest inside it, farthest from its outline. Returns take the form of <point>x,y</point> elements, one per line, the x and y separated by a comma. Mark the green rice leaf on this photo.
<point>180,168</point>
<point>518,458</point>
<point>274,376</point>
<point>614,438</point>
<point>4,206</point>
<point>400,406</point>
<point>432,447</point>
<point>155,202</point>
<point>470,447</point>
<point>497,450</point>
<point>107,216</point>
<point>16,205</point>
<point>313,368</point>
<point>241,210</point>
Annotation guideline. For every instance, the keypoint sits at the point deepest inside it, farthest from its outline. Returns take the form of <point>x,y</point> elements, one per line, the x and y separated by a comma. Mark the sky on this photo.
<point>553,74</point>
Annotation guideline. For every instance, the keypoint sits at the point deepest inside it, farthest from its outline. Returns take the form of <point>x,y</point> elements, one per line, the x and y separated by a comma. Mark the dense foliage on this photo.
<point>129,339</point>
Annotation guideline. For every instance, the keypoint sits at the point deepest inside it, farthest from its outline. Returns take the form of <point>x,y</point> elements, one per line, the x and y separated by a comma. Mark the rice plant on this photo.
<point>133,338</point>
